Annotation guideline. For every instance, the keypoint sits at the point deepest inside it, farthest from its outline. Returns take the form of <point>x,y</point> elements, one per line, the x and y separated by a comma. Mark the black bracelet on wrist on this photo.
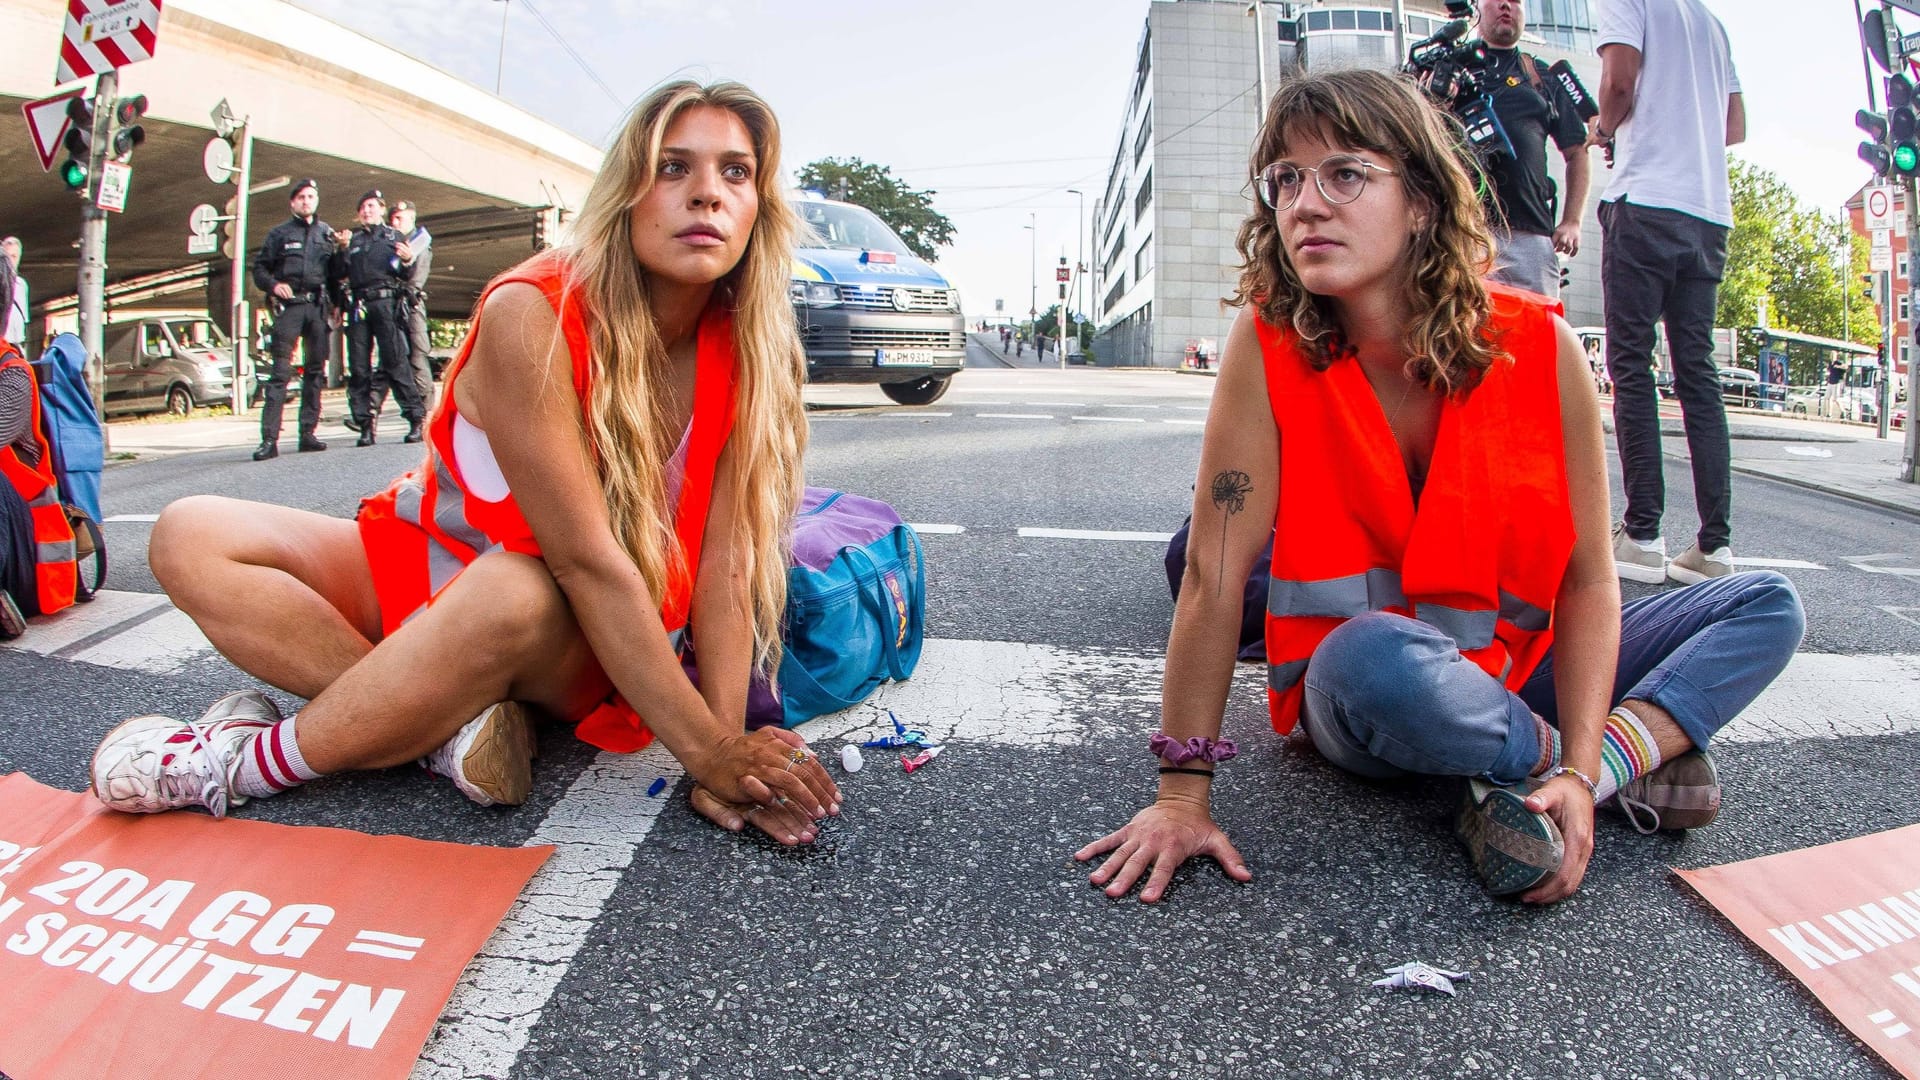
<point>1165,769</point>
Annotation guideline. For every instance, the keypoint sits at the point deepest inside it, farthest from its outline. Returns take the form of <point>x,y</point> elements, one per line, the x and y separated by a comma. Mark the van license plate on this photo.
<point>903,357</point>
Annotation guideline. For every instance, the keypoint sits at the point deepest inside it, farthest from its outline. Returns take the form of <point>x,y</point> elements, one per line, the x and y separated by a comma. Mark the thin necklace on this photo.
<point>1393,418</point>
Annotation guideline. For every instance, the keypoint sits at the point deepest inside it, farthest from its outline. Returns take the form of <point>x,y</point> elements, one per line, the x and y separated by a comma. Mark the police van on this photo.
<point>869,309</point>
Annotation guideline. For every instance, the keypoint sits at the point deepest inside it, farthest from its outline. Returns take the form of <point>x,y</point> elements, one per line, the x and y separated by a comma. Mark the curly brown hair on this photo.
<point>1448,341</point>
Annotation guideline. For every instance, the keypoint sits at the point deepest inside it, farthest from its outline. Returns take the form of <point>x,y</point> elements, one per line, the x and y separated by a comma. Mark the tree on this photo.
<point>910,213</point>
<point>1790,254</point>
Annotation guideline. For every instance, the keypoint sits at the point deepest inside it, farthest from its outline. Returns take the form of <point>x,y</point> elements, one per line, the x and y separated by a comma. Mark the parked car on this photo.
<point>1738,386</point>
<point>871,311</point>
<point>166,363</point>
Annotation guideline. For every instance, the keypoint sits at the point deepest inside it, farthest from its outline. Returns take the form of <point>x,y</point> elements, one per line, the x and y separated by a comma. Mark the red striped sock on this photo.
<point>270,762</point>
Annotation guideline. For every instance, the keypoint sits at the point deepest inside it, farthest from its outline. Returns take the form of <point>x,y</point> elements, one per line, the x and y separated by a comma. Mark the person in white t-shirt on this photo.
<point>15,321</point>
<point>1670,105</point>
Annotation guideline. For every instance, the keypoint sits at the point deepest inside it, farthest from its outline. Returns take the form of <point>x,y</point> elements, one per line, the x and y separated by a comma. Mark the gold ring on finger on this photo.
<point>798,757</point>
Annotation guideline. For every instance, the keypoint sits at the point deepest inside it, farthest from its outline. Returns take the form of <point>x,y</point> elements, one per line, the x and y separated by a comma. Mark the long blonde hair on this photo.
<point>1448,337</point>
<point>628,415</point>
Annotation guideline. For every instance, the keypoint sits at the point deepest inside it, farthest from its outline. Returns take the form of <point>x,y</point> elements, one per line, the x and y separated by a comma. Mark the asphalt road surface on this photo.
<point>940,928</point>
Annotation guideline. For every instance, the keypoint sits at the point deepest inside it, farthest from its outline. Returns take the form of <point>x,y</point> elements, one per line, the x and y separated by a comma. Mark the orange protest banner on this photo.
<point>176,945</point>
<point>1844,919</point>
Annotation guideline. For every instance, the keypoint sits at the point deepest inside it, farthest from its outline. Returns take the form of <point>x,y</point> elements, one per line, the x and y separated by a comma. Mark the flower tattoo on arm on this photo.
<point>1229,493</point>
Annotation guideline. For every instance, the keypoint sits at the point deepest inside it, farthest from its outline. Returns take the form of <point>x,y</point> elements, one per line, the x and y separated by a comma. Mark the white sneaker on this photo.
<point>1692,566</point>
<point>1644,561</point>
<point>491,759</point>
<point>154,763</point>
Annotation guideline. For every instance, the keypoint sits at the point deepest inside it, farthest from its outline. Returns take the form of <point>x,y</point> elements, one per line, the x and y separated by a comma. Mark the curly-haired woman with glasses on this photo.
<point>1426,451</point>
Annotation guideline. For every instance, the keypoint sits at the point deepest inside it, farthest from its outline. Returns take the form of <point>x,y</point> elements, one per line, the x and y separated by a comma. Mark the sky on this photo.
<point>1001,106</point>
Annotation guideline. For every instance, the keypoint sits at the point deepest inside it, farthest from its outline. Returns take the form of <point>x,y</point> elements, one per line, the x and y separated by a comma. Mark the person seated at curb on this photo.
<point>618,401</point>
<point>1427,449</point>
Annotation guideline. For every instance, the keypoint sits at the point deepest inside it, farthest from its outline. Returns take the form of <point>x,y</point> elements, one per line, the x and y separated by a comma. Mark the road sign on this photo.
<point>1880,258</point>
<point>1879,205</point>
<point>1061,273</point>
<point>205,244</point>
<point>203,221</point>
<point>106,36</point>
<point>224,121</point>
<point>1880,238</point>
<point>217,161</point>
<point>114,178</point>
<point>47,123</point>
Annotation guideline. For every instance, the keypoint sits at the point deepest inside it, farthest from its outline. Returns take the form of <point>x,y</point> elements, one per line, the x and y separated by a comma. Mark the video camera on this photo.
<point>1454,75</point>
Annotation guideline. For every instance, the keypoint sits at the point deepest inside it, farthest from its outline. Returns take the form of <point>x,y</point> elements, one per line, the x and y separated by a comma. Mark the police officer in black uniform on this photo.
<point>291,269</point>
<point>371,267</point>
<point>404,221</point>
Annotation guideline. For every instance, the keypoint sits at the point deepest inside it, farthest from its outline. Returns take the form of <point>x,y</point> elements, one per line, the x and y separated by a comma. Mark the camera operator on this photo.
<point>1532,106</point>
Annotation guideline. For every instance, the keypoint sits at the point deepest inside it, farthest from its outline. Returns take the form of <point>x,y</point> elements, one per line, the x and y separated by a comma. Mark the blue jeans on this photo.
<point>1388,695</point>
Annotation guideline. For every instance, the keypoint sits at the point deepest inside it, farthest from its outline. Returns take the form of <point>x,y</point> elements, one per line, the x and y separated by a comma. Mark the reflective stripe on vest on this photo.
<point>1380,589</point>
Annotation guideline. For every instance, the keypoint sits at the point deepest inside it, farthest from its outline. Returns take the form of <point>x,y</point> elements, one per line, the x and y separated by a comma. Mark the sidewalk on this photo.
<point>150,437</point>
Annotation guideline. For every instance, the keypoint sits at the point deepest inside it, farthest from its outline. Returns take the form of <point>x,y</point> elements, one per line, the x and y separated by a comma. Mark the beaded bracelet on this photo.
<point>1196,748</point>
<point>1593,789</point>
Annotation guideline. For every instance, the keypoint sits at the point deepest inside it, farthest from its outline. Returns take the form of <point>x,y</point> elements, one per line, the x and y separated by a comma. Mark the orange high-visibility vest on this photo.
<point>426,527</point>
<point>1482,555</point>
<point>57,571</point>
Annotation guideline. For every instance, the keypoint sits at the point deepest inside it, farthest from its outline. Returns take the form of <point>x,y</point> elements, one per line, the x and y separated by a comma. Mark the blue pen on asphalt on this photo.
<point>659,785</point>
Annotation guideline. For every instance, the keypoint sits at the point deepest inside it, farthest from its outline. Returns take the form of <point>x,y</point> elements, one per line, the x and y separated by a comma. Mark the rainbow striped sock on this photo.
<point>1627,750</point>
<point>1549,744</point>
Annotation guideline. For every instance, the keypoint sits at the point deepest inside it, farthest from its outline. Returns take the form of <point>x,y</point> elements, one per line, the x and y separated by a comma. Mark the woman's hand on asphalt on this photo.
<point>783,825</point>
<point>1160,838</point>
<point>770,778</point>
<point>1567,801</point>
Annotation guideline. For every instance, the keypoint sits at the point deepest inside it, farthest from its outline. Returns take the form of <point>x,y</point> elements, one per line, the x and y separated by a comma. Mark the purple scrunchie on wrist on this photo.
<point>1196,748</point>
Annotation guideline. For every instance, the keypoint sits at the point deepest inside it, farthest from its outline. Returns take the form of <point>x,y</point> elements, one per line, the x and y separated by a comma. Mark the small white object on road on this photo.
<point>850,758</point>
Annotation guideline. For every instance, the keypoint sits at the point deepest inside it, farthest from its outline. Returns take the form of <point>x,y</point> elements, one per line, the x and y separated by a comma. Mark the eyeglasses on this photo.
<point>1340,178</point>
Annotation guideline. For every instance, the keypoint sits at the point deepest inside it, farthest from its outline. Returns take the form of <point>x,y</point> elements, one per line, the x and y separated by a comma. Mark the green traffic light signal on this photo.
<point>1906,157</point>
<point>73,174</point>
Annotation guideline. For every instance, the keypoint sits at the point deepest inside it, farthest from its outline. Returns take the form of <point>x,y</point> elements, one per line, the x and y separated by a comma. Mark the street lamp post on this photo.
<point>500,66</point>
<point>1079,267</point>
<point>1033,276</point>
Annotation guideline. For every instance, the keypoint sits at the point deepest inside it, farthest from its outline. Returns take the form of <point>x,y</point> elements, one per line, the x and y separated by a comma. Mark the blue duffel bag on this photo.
<point>856,605</point>
<point>856,610</point>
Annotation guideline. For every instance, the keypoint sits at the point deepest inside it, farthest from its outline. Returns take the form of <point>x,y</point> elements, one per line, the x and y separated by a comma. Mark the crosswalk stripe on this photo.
<point>114,519</point>
<point>143,632</point>
<point>1014,416</point>
<point>1094,534</point>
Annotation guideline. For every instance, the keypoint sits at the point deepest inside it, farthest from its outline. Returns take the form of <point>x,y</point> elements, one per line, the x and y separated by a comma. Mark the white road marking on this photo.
<point>1871,564</point>
<point>1808,451</point>
<point>1115,406</point>
<point>115,518</point>
<point>1094,534</point>
<point>1194,408</point>
<point>1904,614</point>
<point>1056,404</point>
<point>911,413</point>
<point>1826,696</point>
<point>1777,564</point>
<point>951,530</point>
<point>1014,416</point>
<point>1112,419</point>
<point>110,609</point>
<point>1188,423</point>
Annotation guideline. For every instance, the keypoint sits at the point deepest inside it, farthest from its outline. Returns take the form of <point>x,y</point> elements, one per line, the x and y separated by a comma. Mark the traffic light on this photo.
<point>79,164</point>
<point>127,132</point>
<point>1874,151</point>
<point>1903,127</point>
<point>227,247</point>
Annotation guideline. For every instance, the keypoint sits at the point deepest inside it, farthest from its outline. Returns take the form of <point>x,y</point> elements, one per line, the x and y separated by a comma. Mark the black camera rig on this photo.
<point>1454,73</point>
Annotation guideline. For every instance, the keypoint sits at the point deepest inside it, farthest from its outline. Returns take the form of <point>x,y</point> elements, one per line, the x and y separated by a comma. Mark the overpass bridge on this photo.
<point>322,101</point>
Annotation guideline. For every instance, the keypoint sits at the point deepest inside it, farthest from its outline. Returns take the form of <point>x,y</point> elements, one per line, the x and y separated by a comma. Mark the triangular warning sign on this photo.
<point>47,123</point>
